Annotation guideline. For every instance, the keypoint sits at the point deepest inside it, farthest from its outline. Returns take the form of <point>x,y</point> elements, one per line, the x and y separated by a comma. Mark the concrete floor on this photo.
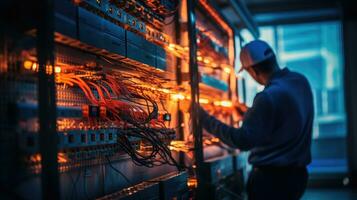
<point>330,194</point>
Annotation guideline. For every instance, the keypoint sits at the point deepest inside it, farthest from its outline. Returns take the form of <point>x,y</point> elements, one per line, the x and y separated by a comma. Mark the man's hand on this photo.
<point>238,111</point>
<point>241,108</point>
<point>238,108</point>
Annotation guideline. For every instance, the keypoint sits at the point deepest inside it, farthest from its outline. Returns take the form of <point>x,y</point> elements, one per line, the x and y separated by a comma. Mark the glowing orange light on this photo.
<point>77,1</point>
<point>199,58</point>
<point>203,101</point>
<point>216,16</point>
<point>58,69</point>
<point>171,47</point>
<point>208,142</point>
<point>223,103</point>
<point>62,158</point>
<point>227,70</point>
<point>178,145</point>
<point>192,183</point>
<point>178,96</point>
<point>34,67</point>
<point>177,142</point>
<point>206,60</point>
<point>28,64</point>
<point>226,104</point>
<point>164,90</point>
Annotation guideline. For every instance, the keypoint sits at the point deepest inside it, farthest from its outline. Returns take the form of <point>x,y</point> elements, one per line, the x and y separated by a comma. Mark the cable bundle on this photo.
<point>125,101</point>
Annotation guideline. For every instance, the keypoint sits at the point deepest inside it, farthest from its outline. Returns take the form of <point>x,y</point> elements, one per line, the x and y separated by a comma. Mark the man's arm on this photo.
<point>258,124</point>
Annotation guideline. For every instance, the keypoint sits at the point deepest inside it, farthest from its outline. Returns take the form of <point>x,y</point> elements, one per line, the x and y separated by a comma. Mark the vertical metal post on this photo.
<point>47,100</point>
<point>194,82</point>
<point>180,114</point>
<point>230,96</point>
<point>349,28</point>
<point>243,79</point>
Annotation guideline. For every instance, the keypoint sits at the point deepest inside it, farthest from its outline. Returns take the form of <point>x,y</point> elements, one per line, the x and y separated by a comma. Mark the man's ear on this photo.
<point>256,72</point>
<point>253,73</point>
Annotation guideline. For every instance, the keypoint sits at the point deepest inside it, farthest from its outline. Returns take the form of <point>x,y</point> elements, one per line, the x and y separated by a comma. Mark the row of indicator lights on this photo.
<point>223,103</point>
<point>182,52</point>
<point>133,22</point>
<point>33,66</point>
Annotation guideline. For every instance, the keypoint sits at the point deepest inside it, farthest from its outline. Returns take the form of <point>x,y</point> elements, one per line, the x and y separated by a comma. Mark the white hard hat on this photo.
<point>254,53</point>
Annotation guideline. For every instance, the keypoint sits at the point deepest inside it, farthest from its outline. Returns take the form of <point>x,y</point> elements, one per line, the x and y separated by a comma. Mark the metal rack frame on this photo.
<point>47,101</point>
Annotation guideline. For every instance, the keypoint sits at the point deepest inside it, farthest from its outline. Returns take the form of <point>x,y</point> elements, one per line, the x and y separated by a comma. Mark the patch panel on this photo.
<point>215,56</point>
<point>141,11</point>
<point>69,99</point>
<point>30,110</point>
<point>135,24</point>
<point>100,28</point>
<point>101,36</point>
<point>161,58</point>
<point>149,190</point>
<point>67,96</point>
<point>170,186</point>
<point>207,42</point>
<point>156,36</point>
<point>107,10</point>
<point>74,57</point>
<point>99,4</point>
<point>76,138</point>
<point>218,168</point>
<point>97,153</point>
<point>173,185</point>
<point>100,33</point>
<point>28,141</point>
<point>77,158</point>
<point>140,50</point>
<point>86,138</point>
<point>120,17</point>
<point>164,7</point>
<point>65,20</point>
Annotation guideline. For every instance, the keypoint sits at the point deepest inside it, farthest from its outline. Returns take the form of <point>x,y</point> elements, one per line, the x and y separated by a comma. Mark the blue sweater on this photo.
<point>277,129</point>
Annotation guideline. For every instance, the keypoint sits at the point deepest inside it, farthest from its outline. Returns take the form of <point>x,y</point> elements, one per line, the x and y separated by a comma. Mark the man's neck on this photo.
<point>271,74</point>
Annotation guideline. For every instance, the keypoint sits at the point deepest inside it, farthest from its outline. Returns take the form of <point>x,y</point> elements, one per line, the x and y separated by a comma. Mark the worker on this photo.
<point>277,129</point>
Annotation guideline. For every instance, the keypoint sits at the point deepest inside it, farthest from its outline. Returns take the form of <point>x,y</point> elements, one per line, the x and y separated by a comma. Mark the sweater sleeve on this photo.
<point>257,125</point>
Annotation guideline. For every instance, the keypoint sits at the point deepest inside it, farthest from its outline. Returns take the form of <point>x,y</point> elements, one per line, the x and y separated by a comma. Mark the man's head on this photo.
<point>259,60</point>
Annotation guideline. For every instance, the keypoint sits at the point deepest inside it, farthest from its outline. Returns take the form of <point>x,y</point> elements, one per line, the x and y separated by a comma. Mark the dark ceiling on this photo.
<point>259,6</point>
<point>269,12</point>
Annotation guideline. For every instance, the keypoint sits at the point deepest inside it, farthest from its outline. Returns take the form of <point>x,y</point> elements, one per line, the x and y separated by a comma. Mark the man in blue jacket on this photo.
<point>276,130</point>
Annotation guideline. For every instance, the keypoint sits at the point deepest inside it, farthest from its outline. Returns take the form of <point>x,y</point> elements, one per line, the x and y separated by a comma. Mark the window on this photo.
<point>315,50</point>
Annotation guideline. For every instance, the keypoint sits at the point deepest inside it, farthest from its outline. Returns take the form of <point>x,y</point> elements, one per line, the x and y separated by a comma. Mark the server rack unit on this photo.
<point>212,82</point>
